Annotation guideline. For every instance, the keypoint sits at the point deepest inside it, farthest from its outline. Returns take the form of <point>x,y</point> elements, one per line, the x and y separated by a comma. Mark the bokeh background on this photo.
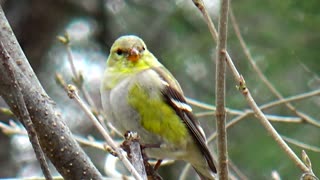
<point>283,38</point>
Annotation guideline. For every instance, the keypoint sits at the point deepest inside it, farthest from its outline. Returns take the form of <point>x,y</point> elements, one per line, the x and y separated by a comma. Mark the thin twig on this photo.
<point>54,178</point>
<point>264,121</point>
<point>71,61</point>
<point>74,95</point>
<point>62,83</point>
<point>77,76</point>
<point>271,117</point>
<point>307,175</point>
<point>200,5</point>
<point>14,128</point>
<point>264,79</point>
<point>263,107</point>
<point>88,142</point>
<point>184,173</point>
<point>301,144</point>
<point>266,106</point>
<point>237,171</point>
<point>297,97</point>
<point>229,124</point>
<point>38,178</point>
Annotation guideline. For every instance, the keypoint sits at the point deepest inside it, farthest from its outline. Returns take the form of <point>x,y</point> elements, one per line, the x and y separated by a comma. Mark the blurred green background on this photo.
<point>282,36</point>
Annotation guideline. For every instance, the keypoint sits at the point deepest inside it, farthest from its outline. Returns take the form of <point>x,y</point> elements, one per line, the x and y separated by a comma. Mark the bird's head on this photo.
<point>127,50</point>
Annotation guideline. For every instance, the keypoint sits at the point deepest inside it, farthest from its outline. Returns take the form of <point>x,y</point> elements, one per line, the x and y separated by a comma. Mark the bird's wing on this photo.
<point>173,96</point>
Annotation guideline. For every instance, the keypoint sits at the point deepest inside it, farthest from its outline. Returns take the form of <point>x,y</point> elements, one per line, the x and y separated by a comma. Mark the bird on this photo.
<point>139,94</point>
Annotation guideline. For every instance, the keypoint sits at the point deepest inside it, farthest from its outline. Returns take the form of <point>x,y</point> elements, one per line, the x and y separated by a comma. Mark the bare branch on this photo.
<point>54,136</point>
<point>264,79</point>
<point>200,5</point>
<point>259,114</point>
<point>220,80</point>
<point>78,78</point>
<point>72,92</point>
<point>183,174</point>
<point>262,107</point>
<point>301,144</point>
<point>24,114</point>
<point>237,171</point>
<point>264,121</point>
<point>230,111</point>
<point>220,91</point>
<point>133,148</point>
<point>231,123</point>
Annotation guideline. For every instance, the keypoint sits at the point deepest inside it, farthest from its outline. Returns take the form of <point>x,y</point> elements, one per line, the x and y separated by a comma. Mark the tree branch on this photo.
<point>54,136</point>
<point>259,114</point>
<point>220,90</point>
<point>264,79</point>
<point>24,115</point>
<point>73,94</point>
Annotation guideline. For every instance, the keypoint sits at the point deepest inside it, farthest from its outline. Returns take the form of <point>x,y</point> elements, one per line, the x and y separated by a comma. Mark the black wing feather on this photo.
<point>190,121</point>
<point>170,94</point>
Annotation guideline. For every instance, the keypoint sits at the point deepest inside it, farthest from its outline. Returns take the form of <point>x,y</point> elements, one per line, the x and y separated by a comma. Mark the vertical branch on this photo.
<point>220,91</point>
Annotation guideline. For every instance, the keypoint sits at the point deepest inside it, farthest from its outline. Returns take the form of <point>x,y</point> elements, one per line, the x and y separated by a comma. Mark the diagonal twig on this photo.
<point>72,92</point>
<point>77,75</point>
<point>24,114</point>
<point>264,79</point>
<point>259,114</point>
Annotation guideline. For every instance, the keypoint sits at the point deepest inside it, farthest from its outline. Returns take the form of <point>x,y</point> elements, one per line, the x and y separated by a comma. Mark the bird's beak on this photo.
<point>134,55</point>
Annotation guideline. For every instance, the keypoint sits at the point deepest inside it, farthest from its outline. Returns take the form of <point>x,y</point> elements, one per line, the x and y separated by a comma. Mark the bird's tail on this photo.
<point>205,172</point>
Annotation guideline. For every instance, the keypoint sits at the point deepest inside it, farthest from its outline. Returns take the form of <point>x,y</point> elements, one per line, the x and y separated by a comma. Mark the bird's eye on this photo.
<point>143,48</point>
<point>119,52</point>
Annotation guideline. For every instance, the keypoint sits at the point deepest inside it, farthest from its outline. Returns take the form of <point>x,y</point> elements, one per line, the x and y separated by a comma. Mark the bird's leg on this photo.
<point>144,146</point>
<point>132,139</point>
<point>151,171</point>
<point>157,165</point>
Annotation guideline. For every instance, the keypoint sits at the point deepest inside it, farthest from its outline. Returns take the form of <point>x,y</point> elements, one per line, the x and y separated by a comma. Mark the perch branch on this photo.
<point>72,92</point>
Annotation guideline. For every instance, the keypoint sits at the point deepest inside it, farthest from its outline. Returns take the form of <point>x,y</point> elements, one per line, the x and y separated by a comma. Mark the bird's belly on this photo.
<point>126,119</point>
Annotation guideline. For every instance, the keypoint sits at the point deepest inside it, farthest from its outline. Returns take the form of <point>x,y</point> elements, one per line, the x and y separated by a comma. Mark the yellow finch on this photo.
<point>139,94</point>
